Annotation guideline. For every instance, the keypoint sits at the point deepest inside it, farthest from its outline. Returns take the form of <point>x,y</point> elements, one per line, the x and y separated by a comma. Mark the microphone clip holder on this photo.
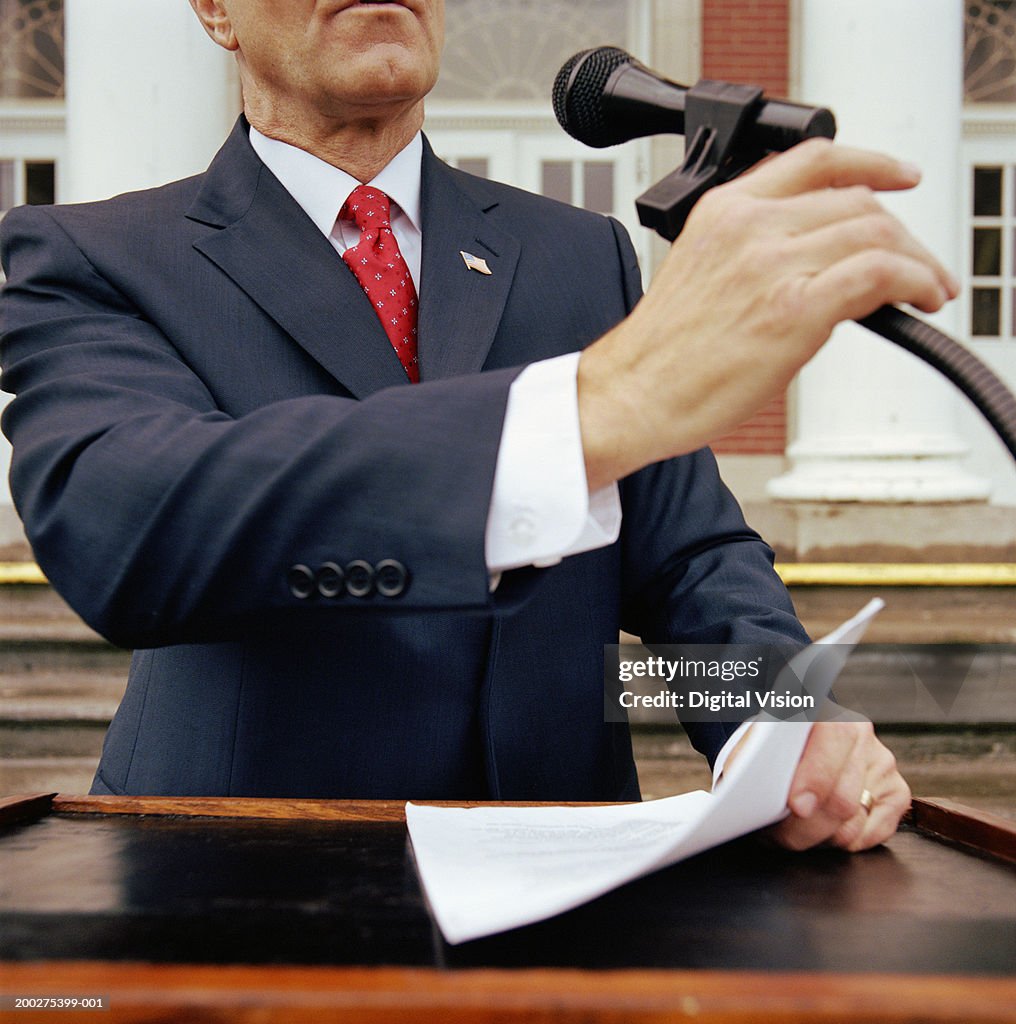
<point>718,118</point>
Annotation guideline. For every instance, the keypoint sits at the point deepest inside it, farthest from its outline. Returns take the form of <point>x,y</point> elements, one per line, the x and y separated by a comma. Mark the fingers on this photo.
<point>833,225</point>
<point>809,211</point>
<point>847,265</point>
<point>855,286</point>
<point>841,255</point>
<point>825,793</point>
<point>841,760</point>
<point>828,200</point>
<point>891,797</point>
<point>818,164</point>
<point>867,830</point>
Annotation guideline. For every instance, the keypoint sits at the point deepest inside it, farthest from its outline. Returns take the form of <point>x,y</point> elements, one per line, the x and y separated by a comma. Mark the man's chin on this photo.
<point>385,79</point>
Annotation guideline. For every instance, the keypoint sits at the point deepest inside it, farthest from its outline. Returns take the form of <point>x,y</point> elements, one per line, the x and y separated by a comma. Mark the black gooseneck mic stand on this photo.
<point>602,97</point>
<point>718,121</point>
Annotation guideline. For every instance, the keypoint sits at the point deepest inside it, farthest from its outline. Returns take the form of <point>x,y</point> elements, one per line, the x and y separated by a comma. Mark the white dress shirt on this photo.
<point>541,509</point>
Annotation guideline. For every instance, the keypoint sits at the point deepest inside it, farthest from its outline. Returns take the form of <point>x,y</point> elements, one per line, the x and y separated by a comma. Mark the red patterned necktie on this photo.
<point>381,270</point>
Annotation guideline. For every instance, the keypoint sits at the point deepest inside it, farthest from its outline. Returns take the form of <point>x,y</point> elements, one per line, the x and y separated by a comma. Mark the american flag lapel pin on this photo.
<point>475,263</point>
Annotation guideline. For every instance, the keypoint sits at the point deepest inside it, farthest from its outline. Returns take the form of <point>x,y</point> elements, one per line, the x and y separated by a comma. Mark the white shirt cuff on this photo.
<point>541,510</point>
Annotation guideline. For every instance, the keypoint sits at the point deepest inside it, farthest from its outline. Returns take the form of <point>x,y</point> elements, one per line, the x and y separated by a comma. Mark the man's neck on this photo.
<point>362,148</point>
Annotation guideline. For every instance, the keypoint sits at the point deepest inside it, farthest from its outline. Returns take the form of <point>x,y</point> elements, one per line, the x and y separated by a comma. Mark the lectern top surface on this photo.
<point>244,890</point>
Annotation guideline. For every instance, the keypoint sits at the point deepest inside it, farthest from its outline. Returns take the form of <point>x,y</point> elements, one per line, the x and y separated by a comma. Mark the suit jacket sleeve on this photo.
<point>161,519</point>
<point>692,570</point>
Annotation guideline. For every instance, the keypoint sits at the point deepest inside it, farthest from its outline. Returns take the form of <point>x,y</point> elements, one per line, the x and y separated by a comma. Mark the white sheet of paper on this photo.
<point>488,869</point>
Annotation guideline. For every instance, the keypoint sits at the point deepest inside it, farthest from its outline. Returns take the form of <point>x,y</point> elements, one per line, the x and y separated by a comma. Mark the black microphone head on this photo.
<point>578,96</point>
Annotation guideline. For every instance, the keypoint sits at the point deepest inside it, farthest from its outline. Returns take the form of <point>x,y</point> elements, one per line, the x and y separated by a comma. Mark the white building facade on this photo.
<point>103,96</point>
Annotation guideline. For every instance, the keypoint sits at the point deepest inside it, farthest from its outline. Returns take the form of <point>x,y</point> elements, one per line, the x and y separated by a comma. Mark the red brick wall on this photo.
<point>748,41</point>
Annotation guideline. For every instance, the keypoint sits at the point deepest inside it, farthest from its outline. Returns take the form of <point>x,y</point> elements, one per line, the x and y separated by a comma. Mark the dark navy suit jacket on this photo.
<point>208,417</point>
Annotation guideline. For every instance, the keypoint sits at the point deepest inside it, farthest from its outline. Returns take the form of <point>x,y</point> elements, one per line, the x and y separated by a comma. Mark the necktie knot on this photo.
<point>368,208</point>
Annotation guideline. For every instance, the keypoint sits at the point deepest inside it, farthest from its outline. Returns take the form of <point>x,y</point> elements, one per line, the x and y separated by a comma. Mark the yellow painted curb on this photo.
<point>898,574</point>
<point>794,574</point>
<point>20,572</point>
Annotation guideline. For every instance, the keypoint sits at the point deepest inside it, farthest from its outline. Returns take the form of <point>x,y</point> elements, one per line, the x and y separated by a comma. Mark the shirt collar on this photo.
<point>321,189</point>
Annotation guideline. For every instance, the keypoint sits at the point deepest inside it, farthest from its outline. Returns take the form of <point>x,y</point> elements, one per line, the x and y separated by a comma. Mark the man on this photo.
<point>341,583</point>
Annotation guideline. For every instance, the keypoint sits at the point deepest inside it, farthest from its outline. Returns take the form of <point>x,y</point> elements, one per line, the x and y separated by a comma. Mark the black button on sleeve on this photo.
<point>301,580</point>
<point>331,580</point>
<point>359,578</point>
<point>391,578</point>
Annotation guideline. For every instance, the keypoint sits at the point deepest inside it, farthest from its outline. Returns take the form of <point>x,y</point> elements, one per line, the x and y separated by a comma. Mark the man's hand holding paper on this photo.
<point>842,761</point>
<point>493,868</point>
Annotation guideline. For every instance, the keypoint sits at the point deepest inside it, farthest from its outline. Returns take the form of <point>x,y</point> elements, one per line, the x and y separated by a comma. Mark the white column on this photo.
<point>873,423</point>
<point>150,98</point>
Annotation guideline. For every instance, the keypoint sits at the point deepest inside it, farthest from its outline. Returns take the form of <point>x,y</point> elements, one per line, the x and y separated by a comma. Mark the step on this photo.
<point>60,679</point>
<point>973,766</point>
<point>54,670</point>
<point>49,756</point>
<point>51,775</point>
<point>944,686</point>
<point>37,603</point>
<point>925,603</point>
<point>914,614</point>
<point>51,740</point>
<point>59,654</point>
<point>49,708</point>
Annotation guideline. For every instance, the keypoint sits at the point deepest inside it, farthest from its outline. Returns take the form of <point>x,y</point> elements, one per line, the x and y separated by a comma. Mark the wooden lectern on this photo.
<point>305,910</point>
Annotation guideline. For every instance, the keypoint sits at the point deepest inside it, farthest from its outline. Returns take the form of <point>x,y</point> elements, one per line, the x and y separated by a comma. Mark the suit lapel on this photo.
<point>460,309</point>
<point>269,247</point>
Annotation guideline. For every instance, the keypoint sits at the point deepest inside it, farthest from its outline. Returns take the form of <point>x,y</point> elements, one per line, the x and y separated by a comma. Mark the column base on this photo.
<point>855,469</point>
<point>801,531</point>
<point>857,483</point>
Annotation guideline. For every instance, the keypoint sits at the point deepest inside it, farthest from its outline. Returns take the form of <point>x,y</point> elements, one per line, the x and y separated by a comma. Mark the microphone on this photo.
<point>603,97</point>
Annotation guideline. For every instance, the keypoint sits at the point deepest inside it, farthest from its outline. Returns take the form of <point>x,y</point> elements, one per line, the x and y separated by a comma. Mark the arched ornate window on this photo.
<point>512,49</point>
<point>31,49</point>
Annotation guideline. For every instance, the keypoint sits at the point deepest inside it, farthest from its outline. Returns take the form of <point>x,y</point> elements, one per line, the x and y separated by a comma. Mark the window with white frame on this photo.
<point>989,83</point>
<point>26,181</point>
<point>991,242</point>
